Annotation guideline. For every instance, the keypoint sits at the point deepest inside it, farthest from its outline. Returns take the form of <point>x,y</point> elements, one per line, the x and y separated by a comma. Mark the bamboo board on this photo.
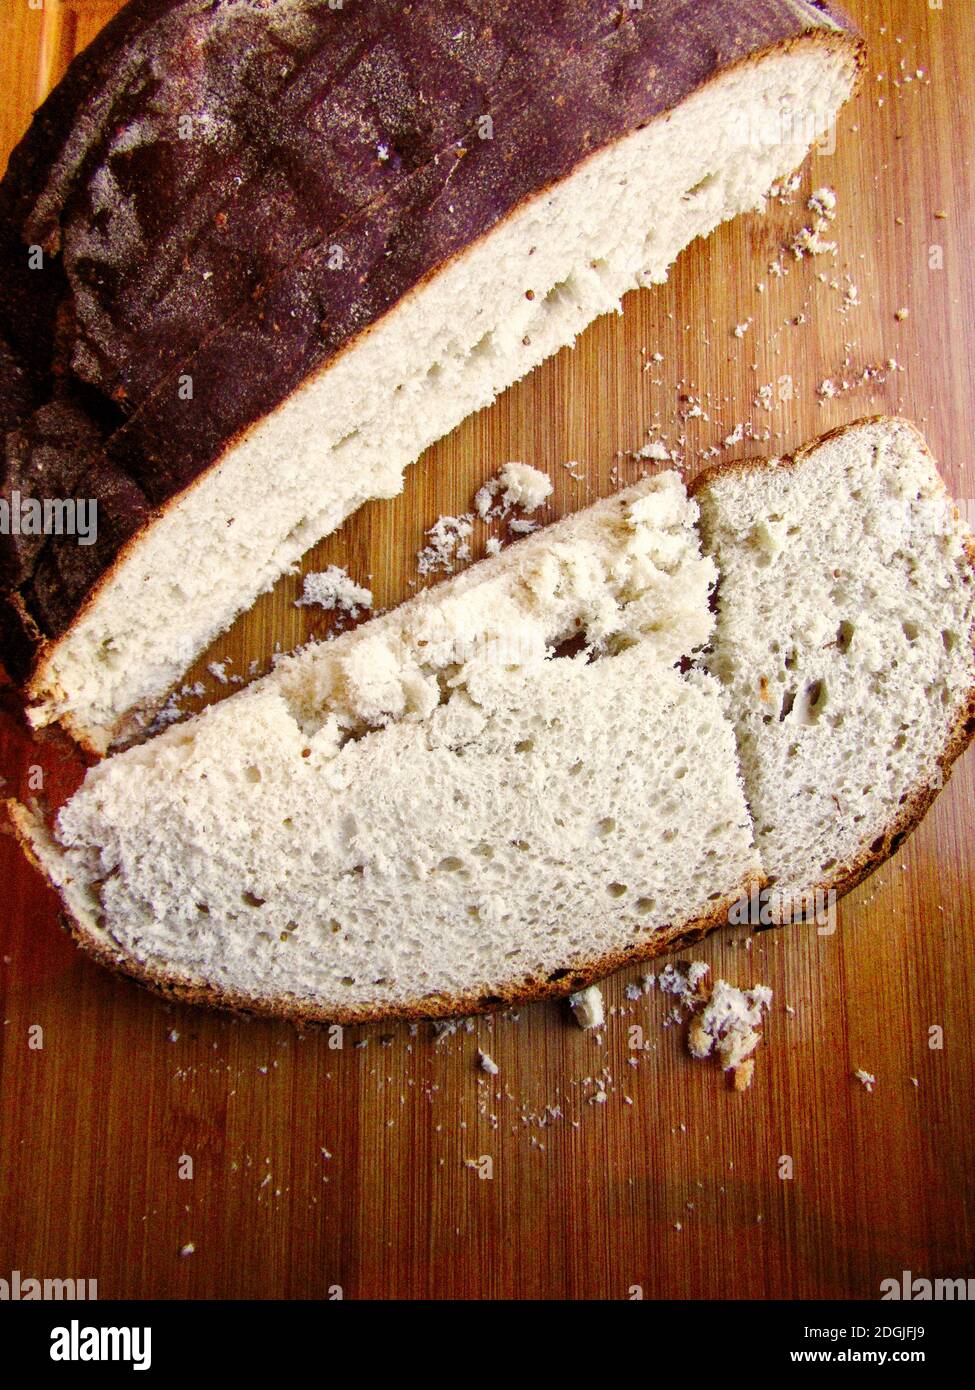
<point>361,1168</point>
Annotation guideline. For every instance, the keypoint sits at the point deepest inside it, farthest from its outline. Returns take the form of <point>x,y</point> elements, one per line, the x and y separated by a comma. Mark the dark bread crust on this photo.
<point>885,844</point>
<point>271,312</point>
<point>23,825</point>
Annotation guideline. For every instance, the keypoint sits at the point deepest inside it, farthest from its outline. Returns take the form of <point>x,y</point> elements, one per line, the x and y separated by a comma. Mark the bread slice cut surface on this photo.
<point>501,790</point>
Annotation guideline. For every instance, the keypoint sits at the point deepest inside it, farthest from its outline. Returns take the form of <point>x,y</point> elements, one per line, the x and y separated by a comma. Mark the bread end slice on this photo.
<point>854,694</point>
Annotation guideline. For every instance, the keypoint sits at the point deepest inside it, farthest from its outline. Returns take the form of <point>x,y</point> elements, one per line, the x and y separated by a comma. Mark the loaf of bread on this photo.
<point>500,790</point>
<point>255,255</point>
<point>525,777</point>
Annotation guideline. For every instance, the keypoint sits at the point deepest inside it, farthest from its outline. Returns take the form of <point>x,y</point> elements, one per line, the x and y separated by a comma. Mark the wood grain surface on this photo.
<point>317,1167</point>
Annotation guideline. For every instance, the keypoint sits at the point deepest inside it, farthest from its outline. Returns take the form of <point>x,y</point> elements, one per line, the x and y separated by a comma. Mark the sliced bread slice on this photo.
<point>844,641</point>
<point>501,790</point>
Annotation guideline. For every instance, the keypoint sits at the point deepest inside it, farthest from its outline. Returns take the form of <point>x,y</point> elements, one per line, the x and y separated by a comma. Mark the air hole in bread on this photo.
<point>606,826</point>
<point>813,702</point>
<point>617,890</point>
<point>911,631</point>
<point>950,639</point>
<point>524,745</point>
<point>788,701</point>
<point>645,904</point>
<point>829,864</point>
<point>345,441</point>
<point>844,636</point>
<point>450,865</point>
<point>561,289</point>
<point>252,774</point>
<point>572,646</point>
<point>251,899</point>
<point>700,187</point>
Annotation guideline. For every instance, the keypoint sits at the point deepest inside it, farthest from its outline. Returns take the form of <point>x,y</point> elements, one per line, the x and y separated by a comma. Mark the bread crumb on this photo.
<point>823,203</point>
<point>525,487</point>
<point>487,1063</point>
<point>656,450</point>
<point>447,543</point>
<point>866,1079</point>
<point>743,1073</point>
<point>588,1007</point>
<point>726,1022</point>
<point>332,588</point>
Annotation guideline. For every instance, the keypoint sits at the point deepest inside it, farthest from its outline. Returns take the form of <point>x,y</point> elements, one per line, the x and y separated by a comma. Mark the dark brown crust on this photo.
<point>440,1007</point>
<point>910,815</point>
<point>595,72</point>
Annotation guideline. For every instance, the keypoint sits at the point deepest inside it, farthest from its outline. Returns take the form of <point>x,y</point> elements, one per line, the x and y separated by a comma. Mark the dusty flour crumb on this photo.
<point>332,588</point>
<point>809,241</point>
<point>492,546</point>
<point>728,1025</point>
<point>866,1080</point>
<point>448,543</point>
<point>742,328</point>
<point>524,487</point>
<point>522,526</point>
<point>218,670</point>
<point>783,190</point>
<point>446,1027</point>
<point>588,1008</point>
<point>685,983</point>
<point>188,1249</point>
<point>902,314</point>
<point>823,203</point>
<point>656,450</point>
<point>487,1063</point>
<point>518,485</point>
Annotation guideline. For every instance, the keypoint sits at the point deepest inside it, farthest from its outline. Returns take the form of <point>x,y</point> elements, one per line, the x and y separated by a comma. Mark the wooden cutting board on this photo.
<point>391,1166</point>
